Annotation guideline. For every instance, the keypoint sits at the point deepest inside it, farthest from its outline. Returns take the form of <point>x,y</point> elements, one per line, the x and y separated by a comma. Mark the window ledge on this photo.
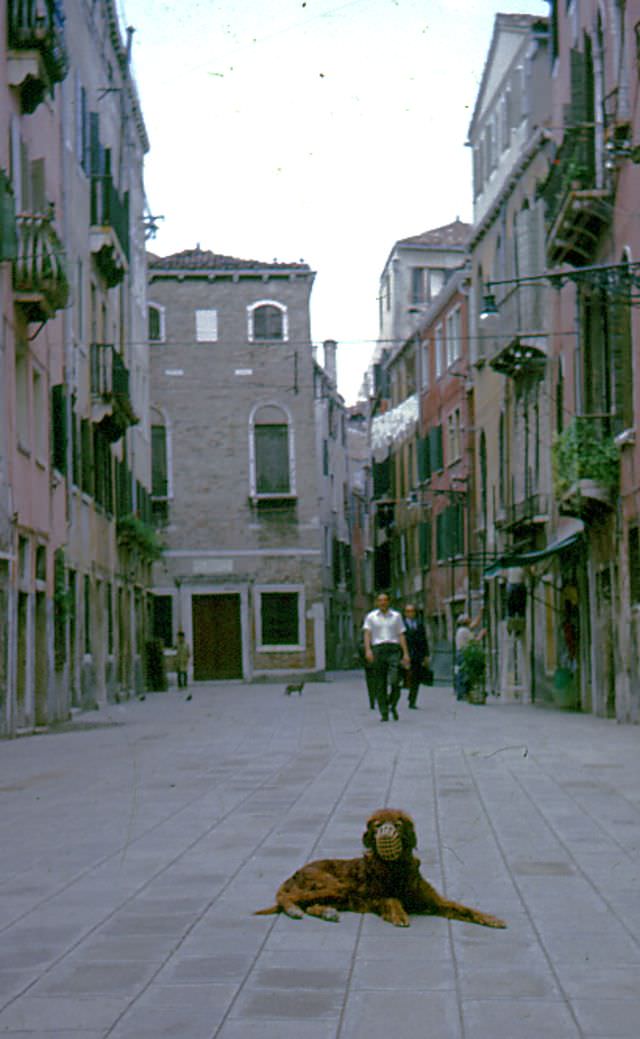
<point>280,649</point>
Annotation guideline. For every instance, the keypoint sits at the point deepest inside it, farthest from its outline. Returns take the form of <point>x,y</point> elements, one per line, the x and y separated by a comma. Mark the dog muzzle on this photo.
<point>388,842</point>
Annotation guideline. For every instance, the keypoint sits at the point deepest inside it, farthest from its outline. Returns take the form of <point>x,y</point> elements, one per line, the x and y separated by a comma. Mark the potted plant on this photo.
<point>586,465</point>
<point>473,666</point>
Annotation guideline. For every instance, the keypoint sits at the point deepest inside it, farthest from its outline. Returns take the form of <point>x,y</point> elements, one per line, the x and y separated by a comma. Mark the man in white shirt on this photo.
<point>385,648</point>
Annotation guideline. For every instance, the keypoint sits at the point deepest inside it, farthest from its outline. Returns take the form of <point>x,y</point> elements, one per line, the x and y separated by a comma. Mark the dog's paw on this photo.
<point>329,913</point>
<point>295,912</point>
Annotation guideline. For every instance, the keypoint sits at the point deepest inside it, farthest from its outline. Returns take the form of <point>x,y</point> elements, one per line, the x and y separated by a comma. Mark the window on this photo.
<point>271,453</point>
<point>267,322</point>
<point>453,436</point>
<point>162,618</point>
<point>280,619</point>
<point>159,474</point>
<point>87,614</point>
<point>22,400</point>
<point>425,346</point>
<point>206,326</point>
<point>39,416</point>
<point>439,351</point>
<point>453,336</point>
<point>156,322</point>
<point>59,428</point>
<point>417,290</point>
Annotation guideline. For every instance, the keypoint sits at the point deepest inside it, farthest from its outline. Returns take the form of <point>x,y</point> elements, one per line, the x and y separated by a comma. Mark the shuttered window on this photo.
<point>272,459</point>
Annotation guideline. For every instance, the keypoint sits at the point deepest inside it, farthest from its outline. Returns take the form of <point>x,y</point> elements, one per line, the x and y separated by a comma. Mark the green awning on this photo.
<point>527,558</point>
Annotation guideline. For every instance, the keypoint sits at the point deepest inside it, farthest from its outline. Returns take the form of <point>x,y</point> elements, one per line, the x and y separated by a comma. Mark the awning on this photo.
<point>564,539</point>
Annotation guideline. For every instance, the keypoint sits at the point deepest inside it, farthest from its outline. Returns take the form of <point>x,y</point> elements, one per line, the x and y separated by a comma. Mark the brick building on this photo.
<point>235,486</point>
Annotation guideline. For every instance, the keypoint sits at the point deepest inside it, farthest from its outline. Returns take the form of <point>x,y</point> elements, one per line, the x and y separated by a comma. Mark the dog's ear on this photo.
<point>368,837</point>
<point>410,839</point>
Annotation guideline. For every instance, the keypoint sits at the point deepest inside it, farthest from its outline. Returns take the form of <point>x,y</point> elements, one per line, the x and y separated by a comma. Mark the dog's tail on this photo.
<point>267,912</point>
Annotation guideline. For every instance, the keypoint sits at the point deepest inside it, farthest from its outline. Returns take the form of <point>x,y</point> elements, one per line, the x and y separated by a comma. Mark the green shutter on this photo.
<point>59,428</point>
<point>8,232</point>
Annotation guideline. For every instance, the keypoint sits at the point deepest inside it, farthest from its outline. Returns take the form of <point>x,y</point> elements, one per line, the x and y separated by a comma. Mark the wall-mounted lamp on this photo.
<point>621,280</point>
<point>489,306</point>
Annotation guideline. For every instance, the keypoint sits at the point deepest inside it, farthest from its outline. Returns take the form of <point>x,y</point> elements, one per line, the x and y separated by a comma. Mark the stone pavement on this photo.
<point>135,844</point>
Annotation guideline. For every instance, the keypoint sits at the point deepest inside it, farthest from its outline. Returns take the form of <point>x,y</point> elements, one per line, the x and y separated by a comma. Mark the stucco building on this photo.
<point>510,350</point>
<point>73,361</point>
<point>235,478</point>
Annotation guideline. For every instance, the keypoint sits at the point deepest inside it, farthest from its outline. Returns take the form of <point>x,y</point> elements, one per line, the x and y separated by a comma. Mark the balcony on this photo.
<point>37,55</point>
<point>577,210</point>
<point>40,285</point>
<point>530,511</point>
<point>109,235</point>
<point>111,407</point>
<point>586,467</point>
<point>521,358</point>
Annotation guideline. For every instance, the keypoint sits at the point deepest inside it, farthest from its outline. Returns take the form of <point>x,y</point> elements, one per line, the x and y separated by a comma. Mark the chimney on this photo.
<point>330,348</point>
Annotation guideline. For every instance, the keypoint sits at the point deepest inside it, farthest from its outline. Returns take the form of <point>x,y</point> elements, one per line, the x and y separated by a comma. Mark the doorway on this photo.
<point>217,637</point>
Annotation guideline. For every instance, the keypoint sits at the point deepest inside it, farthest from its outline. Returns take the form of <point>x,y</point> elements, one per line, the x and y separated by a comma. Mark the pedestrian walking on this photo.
<point>183,653</point>
<point>418,647</point>
<point>385,649</point>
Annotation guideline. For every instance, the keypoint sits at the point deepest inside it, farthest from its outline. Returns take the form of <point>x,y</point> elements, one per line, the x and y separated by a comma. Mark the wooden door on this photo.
<point>217,637</point>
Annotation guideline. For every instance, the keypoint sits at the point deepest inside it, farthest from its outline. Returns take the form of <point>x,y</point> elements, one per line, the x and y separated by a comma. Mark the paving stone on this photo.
<point>378,1015</point>
<point>146,928</point>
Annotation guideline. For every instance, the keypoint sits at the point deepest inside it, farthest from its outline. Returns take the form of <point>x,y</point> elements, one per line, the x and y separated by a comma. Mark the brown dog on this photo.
<point>385,880</point>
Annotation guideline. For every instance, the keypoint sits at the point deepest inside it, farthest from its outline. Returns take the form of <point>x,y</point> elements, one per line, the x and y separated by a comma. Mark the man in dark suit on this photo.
<point>418,647</point>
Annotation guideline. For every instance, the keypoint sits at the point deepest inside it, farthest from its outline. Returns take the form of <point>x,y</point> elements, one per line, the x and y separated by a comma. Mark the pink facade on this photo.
<point>34,291</point>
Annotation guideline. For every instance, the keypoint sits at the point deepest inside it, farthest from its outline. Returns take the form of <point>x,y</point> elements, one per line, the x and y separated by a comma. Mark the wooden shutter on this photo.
<point>159,472</point>
<point>59,428</point>
<point>272,459</point>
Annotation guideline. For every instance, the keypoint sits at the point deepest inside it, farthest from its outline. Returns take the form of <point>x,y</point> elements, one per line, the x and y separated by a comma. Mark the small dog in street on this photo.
<point>294,687</point>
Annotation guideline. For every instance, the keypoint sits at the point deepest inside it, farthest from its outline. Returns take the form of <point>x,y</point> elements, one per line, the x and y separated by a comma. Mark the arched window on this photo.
<point>161,482</point>
<point>271,452</point>
<point>267,322</point>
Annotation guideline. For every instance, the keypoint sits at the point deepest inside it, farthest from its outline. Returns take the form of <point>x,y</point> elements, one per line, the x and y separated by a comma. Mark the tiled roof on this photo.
<point>450,235</point>
<point>204,260</point>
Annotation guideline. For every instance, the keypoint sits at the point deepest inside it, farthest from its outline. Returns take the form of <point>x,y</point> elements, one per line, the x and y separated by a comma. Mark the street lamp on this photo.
<point>619,279</point>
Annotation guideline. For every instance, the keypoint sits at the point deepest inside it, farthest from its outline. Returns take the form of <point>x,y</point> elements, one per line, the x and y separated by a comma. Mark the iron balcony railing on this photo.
<point>573,169</point>
<point>39,25</point>
<point>39,276</point>
<point>533,508</point>
<point>109,374</point>
<point>109,209</point>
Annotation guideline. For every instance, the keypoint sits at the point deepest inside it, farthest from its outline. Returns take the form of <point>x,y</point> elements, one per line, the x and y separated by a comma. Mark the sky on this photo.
<point>311,130</point>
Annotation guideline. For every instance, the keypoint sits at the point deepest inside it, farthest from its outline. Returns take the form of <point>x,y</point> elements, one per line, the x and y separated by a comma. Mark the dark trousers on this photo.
<point>413,681</point>
<point>370,679</point>
<point>386,669</point>
<point>182,679</point>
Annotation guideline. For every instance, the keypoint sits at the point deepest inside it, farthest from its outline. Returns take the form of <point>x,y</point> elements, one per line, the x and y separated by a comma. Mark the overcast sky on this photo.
<point>314,130</point>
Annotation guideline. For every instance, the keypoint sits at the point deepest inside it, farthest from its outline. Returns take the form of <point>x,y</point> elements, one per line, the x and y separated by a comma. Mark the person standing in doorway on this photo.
<point>183,654</point>
<point>385,649</point>
<point>418,647</point>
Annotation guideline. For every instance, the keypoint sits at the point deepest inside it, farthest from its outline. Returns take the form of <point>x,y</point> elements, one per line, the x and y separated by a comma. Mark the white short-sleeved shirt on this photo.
<point>464,636</point>
<point>384,627</point>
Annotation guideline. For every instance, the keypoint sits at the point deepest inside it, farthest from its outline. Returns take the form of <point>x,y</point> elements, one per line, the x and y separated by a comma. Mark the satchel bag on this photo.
<point>426,676</point>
